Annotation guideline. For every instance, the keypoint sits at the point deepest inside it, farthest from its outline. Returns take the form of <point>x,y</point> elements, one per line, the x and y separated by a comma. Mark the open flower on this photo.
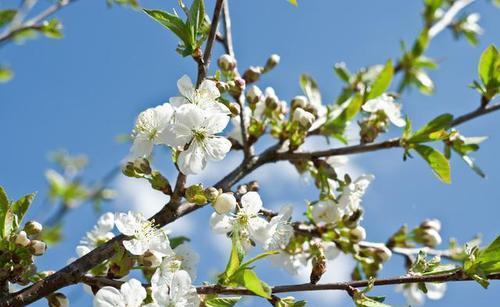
<point>149,130</point>
<point>173,289</point>
<point>386,104</point>
<point>415,297</point>
<point>351,197</point>
<point>279,230</point>
<point>204,97</point>
<point>100,234</point>
<point>196,128</point>
<point>145,235</point>
<point>290,262</point>
<point>246,221</point>
<point>471,24</point>
<point>131,294</point>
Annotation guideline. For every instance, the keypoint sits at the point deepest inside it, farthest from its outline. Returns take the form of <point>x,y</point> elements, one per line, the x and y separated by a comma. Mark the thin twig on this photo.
<point>447,18</point>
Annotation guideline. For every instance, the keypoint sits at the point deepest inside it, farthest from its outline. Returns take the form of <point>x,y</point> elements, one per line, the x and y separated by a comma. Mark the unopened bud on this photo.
<point>253,186</point>
<point>254,94</point>
<point>272,61</point>
<point>240,82</point>
<point>160,183</point>
<point>196,194</point>
<point>142,166</point>
<point>252,74</point>
<point>33,228</point>
<point>129,170</point>
<point>151,260</point>
<point>211,194</point>
<point>299,102</point>
<point>431,238</point>
<point>431,224</point>
<point>234,108</point>
<point>381,252</point>
<point>225,203</point>
<point>37,247</point>
<point>22,239</point>
<point>57,300</point>
<point>357,234</point>
<point>271,100</point>
<point>226,62</point>
<point>304,118</point>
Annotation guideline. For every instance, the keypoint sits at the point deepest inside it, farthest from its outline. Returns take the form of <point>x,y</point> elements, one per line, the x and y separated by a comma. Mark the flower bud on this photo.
<point>431,224</point>
<point>33,228</point>
<point>253,186</point>
<point>22,239</point>
<point>431,238</point>
<point>381,252</point>
<point>151,260</point>
<point>224,203</point>
<point>196,194</point>
<point>226,62</point>
<point>211,194</point>
<point>304,118</point>
<point>240,82</point>
<point>142,166</point>
<point>254,94</point>
<point>252,74</point>
<point>272,61</point>
<point>357,234</point>
<point>160,183</point>
<point>234,108</point>
<point>271,99</point>
<point>57,300</point>
<point>37,247</point>
<point>299,102</point>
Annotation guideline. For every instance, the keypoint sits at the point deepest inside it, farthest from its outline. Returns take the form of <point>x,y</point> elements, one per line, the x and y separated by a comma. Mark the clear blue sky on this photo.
<point>80,92</point>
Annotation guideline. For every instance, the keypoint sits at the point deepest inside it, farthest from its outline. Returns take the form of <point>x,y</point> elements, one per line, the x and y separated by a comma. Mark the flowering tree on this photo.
<point>193,126</point>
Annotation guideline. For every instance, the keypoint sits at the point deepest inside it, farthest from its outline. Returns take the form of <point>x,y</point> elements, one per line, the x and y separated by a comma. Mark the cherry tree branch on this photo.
<point>100,282</point>
<point>447,18</point>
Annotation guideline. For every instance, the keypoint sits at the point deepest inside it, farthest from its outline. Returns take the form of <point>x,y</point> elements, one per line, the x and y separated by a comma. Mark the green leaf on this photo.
<point>362,300</point>
<point>176,241</point>
<point>222,301</point>
<point>256,258</point>
<point>52,235</point>
<point>342,72</point>
<point>52,28</point>
<point>428,131</point>
<point>174,24</point>
<point>487,64</point>
<point>489,258</point>
<point>235,258</point>
<point>421,44</point>
<point>437,161</point>
<point>5,74</point>
<point>381,84</point>
<point>20,207</point>
<point>248,279</point>
<point>4,208</point>
<point>6,16</point>
<point>310,88</point>
<point>195,19</point>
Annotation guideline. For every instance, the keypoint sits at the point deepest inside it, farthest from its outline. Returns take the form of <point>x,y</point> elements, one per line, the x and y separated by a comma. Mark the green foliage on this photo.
<point>221,301</point>
<point>176,241</point>
<point>5,74</point>
<point>310,88</point>
<point>51,28</point>
<point>382,82</point>
<point>361,300</point>
<point>12,213</point>
<point>489,72</point>
<point>52,235</point>
<point>481,262</point>
<point>6,16</point>
<point>248,279</point>
<point>433,130</point>
<point>437,161</point>
<point>191,32</point>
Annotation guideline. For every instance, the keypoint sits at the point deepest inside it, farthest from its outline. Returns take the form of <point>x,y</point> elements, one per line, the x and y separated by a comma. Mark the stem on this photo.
<point>447,18</point>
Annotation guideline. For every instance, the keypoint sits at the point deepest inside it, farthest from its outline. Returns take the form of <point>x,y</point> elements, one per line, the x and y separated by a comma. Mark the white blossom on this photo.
<point>471,24</point>
<point>145,235</point>
<point>188,257</point>
<point>327,211</point>
<point>246,221</point>
<point>303,117</point>
<point>205,97</point>
<point>149,130</point>
<point>351,197</point>
<point>290,262</point>
<point>415,297</point>
<point>279,229</point>
<point>386,104</point>
<point>197,129</point>
<point>225,203</point>
<point>131,294</point>
<point>100,234</point>
<point>173,289</point>
<point>330,249</point>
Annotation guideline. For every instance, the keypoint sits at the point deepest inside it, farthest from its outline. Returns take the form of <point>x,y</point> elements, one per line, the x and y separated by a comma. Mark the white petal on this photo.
<point>258,229</point>
<point>190,259</point>
<point>181,283</point>
<point>251,203</point>
<point>106,222</point>
<point>435,291</point>
<point>208,90</point>
<point>161,245</point>
<point>331,250</point>
<point>82,250</point>
<point>215,123</point>
<point>216,147</point>
<point>177,135</point>
<point>190,116</point>
<point>178,101</point>
<point>192,160</point>
<point>108,297</point>
<point>133,292</point>
<point>127,223</point>
<point>141,147</point>
<point>185,86</point>
<point>221,223</point>
<point>135,246</point>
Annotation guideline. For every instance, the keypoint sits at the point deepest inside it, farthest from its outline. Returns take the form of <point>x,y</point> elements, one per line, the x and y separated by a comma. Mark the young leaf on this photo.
<point>196,18</point>
<point>489,258</point>
<point>20,207</point>
<point>426,133</point>
<point>310,88</point>
<point>173,23</point>
<point>6,16</point>
<point>381,84</point>
<point>222,301</point>
<point>256,258</point>
<point>487,64</point>
<point>4,208</point>
<point>437,161</point>
<point>248,279</point>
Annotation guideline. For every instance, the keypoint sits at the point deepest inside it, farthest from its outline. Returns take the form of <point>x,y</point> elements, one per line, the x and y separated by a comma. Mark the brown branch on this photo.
<point>344,286</point>
<point>211,38</point>
<point>35,22</point>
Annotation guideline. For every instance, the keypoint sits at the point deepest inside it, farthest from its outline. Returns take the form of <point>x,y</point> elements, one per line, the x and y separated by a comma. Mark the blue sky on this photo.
<point>80,92</point>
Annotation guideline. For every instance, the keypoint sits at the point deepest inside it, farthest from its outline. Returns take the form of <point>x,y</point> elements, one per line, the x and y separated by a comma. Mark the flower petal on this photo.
<point>133,293</point>
<point>127,223</point>
<point>215,123</point>
<point>251,203</point>
<point>221,223</point>
<point>185,86</point>
<point>141,147</point>
<point>192,161</point>
<point>216,147</point>
<point>135,246</point>
<point>108,297</point>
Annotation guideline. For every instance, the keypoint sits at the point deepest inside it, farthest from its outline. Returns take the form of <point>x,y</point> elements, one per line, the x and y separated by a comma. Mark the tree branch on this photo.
<point>447,18</point>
